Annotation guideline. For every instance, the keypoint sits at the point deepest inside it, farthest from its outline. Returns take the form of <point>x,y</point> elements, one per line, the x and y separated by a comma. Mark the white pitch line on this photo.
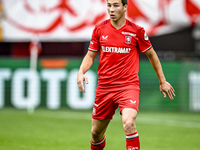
<point>117,118</point>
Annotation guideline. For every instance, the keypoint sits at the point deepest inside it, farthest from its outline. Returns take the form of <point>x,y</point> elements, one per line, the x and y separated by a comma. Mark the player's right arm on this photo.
<point>85,66</point>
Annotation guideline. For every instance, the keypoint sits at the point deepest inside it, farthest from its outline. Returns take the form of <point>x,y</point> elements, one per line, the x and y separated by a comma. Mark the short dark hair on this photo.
<point>124,2</point>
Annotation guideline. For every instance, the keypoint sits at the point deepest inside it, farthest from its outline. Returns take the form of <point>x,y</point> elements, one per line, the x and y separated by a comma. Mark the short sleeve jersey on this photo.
<point>119,54</point>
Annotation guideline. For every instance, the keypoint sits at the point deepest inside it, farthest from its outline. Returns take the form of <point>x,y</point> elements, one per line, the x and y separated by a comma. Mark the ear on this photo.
<point>125,7</point>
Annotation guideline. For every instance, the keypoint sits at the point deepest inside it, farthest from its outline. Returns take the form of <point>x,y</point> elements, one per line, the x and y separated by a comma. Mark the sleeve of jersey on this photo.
<point>143,41</point>
<point>94,42</point>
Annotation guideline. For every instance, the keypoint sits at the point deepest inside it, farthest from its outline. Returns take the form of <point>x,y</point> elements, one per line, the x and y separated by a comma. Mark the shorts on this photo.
<point>106,102</point>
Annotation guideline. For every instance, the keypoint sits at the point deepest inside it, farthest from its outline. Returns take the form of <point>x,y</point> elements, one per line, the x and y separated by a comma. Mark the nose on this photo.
<point>112,8</point>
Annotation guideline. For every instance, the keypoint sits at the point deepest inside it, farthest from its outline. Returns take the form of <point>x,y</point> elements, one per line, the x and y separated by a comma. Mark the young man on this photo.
<point>119,42</point>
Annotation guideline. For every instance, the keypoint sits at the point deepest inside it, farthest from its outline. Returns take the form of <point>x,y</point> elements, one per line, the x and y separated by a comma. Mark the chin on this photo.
<point>113,19</point>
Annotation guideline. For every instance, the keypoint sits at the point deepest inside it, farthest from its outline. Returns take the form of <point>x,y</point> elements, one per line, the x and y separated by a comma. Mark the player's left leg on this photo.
<point>132,138</point>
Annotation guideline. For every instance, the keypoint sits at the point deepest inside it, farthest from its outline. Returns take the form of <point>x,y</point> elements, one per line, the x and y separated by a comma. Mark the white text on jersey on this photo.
<point>131,34</point>
<point>115,49</point>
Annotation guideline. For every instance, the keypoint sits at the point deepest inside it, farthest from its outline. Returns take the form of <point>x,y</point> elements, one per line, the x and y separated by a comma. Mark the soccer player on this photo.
<point>119,42</point>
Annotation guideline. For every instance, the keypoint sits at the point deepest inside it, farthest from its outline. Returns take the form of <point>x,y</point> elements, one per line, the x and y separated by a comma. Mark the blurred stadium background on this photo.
<point>43,43</point>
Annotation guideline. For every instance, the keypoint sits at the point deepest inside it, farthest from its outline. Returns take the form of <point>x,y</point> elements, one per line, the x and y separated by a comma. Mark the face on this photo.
<point>116,10</point>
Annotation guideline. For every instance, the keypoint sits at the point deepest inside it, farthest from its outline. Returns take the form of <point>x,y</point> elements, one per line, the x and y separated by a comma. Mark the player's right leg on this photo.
<point>103,111</point>
<point>98,130</point>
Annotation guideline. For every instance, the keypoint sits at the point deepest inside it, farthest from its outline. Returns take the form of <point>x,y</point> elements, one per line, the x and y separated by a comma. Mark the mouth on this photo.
<point>112,16</point>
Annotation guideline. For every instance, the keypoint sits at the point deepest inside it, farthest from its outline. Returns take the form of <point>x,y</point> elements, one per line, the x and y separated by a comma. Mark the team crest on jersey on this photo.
<point>128,39</point>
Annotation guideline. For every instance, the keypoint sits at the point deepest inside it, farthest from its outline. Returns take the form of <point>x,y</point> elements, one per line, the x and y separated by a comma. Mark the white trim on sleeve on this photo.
<point>94,50</point>
<point>146,49</point>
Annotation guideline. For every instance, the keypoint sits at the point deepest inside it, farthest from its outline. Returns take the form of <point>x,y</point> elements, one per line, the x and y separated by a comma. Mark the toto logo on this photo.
<point>43,16</point>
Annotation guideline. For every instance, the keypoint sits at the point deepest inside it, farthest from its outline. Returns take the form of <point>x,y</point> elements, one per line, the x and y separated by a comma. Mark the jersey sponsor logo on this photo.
<point>128,33</point>
<point>108,49</point>
<point>146,36</point>
<point>128,39</point>
<point>104,37</point>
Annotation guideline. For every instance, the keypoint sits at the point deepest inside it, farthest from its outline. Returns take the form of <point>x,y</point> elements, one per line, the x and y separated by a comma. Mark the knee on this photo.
<point>95,134</point>
<point>129,127</point>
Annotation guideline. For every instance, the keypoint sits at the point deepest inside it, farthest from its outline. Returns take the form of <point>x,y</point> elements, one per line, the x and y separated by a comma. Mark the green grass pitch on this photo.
<point>66,129</point>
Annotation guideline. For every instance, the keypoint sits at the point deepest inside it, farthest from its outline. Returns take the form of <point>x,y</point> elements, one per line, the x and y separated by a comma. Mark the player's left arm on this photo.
<point>165,87</point>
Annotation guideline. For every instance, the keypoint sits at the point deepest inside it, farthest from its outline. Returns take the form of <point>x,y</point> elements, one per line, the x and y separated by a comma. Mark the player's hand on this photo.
<point>80,79</point>
<point>166,88</point>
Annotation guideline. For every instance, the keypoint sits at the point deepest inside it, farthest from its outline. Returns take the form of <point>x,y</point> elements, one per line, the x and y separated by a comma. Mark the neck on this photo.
<point>120,23</point>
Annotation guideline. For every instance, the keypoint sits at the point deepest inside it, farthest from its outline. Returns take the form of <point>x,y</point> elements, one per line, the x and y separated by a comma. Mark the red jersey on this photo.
<point>119,54</point>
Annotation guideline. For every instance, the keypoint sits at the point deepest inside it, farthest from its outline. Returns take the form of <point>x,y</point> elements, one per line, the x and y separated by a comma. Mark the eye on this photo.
<point>116,5</point>
<point>108,5</point>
